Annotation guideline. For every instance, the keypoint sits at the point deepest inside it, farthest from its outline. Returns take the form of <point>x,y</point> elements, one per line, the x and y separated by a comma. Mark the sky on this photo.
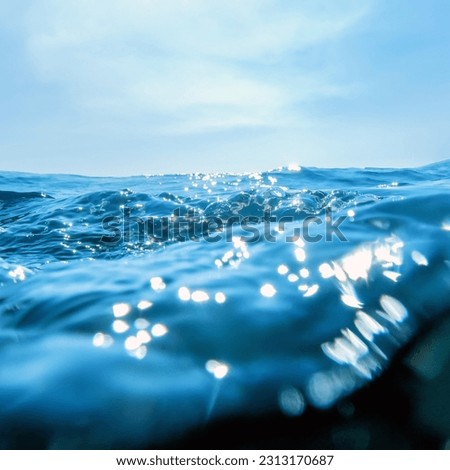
<point>128,87</point>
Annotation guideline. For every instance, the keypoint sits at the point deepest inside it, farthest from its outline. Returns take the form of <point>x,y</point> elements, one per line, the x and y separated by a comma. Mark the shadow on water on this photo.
<point>406,408</point>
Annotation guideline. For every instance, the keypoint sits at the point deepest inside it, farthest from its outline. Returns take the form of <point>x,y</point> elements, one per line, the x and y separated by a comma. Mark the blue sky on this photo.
<point>117,87</point>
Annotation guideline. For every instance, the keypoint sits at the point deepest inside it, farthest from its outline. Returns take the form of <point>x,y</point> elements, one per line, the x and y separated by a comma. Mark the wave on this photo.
<point>132,311</point>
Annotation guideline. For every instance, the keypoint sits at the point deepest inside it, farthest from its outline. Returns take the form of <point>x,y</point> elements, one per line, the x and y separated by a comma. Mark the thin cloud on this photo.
<point>188,66</point>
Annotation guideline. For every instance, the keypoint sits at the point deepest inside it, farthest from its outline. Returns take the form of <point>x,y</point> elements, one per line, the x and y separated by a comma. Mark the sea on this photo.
<point>135,311</point>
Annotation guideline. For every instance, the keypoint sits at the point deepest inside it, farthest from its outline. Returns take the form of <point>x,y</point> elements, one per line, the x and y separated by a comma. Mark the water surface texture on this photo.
<point>134,310</point>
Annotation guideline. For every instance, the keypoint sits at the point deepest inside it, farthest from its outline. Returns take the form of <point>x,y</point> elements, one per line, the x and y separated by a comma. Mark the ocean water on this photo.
<point>136,310</point>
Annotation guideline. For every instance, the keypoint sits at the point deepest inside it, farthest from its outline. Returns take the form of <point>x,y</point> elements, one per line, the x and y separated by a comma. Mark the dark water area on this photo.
<point>296,308</point>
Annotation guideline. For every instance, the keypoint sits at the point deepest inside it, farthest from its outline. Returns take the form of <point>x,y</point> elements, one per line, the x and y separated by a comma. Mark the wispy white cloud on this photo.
<point>188,65</point>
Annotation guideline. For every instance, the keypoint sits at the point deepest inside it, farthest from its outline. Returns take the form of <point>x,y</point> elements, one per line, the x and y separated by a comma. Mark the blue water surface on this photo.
<point>136,309</point>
